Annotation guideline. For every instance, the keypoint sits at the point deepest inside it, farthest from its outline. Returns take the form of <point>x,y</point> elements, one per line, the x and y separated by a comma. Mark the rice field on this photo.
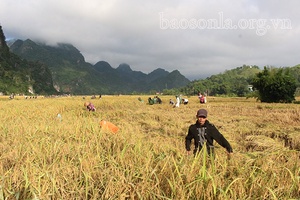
<point>53,148</point>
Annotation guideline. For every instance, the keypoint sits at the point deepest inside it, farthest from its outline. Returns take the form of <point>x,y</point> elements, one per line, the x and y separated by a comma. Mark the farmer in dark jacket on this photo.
<point>204,132</point>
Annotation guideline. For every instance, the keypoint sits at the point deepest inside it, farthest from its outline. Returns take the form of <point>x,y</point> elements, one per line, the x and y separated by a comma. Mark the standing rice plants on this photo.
<point>53,148</point>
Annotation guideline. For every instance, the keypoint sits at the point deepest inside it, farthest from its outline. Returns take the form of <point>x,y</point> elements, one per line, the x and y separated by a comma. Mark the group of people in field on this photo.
<point>179,100</point>
<point>154,100</point>
<point>202,132</point>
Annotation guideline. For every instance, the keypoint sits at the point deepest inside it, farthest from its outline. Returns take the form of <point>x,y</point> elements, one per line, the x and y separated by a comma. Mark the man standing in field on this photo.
<point>204,133</point>
<point>177,102</point>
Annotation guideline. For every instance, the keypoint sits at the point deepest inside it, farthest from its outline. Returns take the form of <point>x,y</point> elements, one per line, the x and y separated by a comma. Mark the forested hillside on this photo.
<point>235,82</point>
<point>20,76</point>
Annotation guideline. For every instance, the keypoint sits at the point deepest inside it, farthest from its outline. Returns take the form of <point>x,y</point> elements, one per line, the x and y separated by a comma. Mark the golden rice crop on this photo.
<point>53,148</point>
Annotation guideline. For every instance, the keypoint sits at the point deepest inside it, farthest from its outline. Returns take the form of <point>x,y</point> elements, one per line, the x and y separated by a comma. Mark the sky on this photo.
<point>199,38</point>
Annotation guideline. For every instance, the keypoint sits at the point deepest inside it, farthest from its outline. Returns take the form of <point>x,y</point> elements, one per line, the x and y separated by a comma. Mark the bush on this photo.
<point>275,86</point>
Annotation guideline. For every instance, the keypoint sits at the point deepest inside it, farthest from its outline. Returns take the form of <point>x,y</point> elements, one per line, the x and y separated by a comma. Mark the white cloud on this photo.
<point>132,31</point>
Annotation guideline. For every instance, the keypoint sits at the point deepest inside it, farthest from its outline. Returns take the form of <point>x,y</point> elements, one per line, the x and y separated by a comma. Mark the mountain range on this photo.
<point>31,67</point>
<point>72,74</point>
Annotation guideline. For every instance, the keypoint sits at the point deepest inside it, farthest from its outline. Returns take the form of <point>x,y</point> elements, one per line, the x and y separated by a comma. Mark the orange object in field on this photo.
<point>105,125</point>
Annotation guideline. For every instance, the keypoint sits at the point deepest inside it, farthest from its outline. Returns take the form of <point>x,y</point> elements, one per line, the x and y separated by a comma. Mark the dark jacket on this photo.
<point>211,134</point>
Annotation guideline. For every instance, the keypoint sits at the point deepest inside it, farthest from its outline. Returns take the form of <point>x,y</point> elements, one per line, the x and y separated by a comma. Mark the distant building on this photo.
<point>250,88</point>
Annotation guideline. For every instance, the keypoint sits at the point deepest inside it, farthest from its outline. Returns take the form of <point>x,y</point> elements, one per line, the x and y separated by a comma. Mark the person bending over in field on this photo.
<point>185,101</point>
<point>150,101</point>
<point>90,106</point>
<point>171,102</point>
<point>158,100</point>
<point>204,133</point>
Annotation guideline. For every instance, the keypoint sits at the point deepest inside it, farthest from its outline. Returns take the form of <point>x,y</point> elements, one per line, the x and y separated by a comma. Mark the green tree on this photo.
<point>275,86</point>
